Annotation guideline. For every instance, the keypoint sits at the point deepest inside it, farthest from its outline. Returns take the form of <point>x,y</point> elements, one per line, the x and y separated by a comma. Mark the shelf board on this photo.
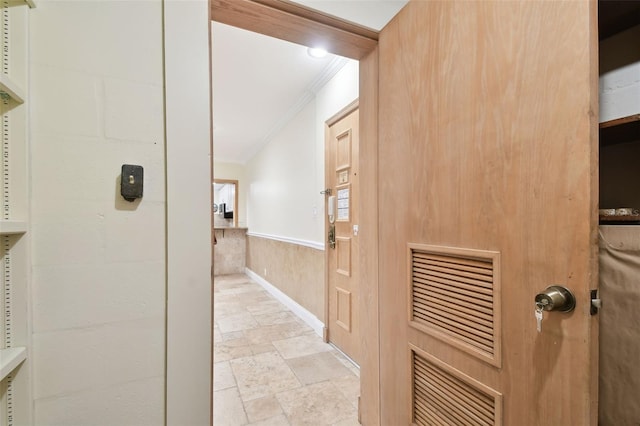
<point>620,121</point>
<point>620,130</point>
<point>10,227</point>
<point>632,218</point>
<point>14,91</point>
<point>10,359</point>
<point>11,3</point>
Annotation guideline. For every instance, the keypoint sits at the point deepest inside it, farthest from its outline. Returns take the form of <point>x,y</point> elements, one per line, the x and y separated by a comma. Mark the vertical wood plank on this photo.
<point>369,366</point>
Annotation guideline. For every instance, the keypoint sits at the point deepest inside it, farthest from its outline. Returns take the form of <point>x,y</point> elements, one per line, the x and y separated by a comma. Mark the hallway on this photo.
<point>271,368</point>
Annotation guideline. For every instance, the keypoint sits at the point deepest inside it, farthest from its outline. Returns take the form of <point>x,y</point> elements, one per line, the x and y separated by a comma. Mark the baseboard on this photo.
<point>306,316</point>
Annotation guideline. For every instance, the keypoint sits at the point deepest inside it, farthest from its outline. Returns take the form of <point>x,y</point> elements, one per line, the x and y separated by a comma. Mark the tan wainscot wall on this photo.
<point>230,250</point>
<point>296,270</point>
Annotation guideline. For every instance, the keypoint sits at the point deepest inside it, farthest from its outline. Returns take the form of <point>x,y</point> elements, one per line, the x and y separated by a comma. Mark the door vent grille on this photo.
<point>445,396</point>
<point>454,296</point>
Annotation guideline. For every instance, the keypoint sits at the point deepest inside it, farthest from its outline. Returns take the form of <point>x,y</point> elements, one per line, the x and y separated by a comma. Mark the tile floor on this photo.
<point>271,368</point>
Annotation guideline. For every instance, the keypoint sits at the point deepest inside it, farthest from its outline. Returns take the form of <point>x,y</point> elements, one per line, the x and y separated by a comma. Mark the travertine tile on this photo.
<point>265,355</point>
<point>275,318</point>
<point>317,404</point>
<point>270,333</point>
<point>263,408</point>
<point>349,386</point>
<point>229,410</point>
<point>262,348</point>
<point>266,307</point>
<point>295,347</point>
<point>263,374</point>
<point>223,376</point>
<point>351,421</point>
<point>317,368</point>
<point>243,321</point>
<point>225,351</point>
<point>280,420</point>
<point>217,336</point>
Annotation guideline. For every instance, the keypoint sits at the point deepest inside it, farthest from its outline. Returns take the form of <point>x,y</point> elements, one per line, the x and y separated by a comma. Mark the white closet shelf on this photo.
<point>14,91</point>
<point>10,359</point>
<point>10,227</point>
<point>30,3</point>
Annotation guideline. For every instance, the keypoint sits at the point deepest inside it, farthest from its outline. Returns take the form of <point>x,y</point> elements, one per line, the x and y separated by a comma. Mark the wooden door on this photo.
<point>341,165</point>
<point>488,146</point>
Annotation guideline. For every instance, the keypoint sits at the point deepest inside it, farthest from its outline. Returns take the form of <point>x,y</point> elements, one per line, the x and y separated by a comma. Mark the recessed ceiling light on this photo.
<point>317,52</point>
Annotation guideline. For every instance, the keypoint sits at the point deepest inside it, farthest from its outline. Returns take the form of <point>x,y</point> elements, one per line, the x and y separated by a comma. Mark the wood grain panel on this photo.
<point>445,396</point>
<point>368,259</point>
<point>344,311</point>
<point>309,28</point>
<point>343,150</point>
<point>454,296</point>
<point>488,139</point>
<point>343,254</point>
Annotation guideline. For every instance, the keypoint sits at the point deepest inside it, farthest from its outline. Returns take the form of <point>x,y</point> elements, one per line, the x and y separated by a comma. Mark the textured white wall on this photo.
<point>99,286</point>
<point>98,299</point>
<point>235,172</point>
<point>285,178</point>
<point>282,182</point>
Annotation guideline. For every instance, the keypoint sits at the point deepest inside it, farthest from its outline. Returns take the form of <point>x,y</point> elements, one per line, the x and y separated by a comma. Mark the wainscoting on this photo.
<point>294,267</point>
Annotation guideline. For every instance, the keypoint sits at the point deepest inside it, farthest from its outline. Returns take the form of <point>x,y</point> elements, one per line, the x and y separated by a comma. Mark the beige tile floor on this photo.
<point>271,368</point>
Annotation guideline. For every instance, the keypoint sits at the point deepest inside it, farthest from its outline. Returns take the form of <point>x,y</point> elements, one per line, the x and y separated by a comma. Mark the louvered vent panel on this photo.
<point>453,298</point>
<point>440,398</point>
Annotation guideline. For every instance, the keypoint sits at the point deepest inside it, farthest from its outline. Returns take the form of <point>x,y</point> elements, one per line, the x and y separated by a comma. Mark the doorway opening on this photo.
<point>270,359</point>
<point>298,24</point>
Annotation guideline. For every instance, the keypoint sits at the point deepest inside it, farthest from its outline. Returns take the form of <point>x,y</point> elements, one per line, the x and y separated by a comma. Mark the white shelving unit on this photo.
<point>11,89</point>
<point>10,359</point>
<point>15,332</point>
<point>13,227</point>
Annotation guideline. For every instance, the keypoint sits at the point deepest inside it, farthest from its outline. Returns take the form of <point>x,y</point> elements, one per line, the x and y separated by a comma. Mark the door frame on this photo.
<point>302,25</point>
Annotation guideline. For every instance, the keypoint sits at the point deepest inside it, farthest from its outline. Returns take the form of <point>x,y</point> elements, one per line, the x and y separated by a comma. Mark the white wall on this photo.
<point>285,178</point>
<point>189,249</point>
<point>98,261</point>
<point>282,180</point>
<point>234,171</point>
<point>620,75</point>
<point>99,271</point>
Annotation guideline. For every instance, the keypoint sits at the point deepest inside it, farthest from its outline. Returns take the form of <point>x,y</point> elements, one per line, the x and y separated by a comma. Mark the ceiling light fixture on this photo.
<point>317,52</point>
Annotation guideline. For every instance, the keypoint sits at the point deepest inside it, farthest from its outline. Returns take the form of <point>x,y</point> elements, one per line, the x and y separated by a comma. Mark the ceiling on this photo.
<point>261,83</point>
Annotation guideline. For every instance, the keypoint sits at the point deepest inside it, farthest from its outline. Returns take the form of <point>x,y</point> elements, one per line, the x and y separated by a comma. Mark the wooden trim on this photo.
<point>321,17</point>
<point>619,121</point>
<point>327,290</point>
<point>342,113</point>
<point>212,218</point>
<point>369,234</point>
<point>288,23</point>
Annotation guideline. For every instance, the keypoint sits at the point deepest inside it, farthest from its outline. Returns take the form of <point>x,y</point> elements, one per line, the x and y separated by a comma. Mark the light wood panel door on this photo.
<point>341,164</point>
<point>487,154</point>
